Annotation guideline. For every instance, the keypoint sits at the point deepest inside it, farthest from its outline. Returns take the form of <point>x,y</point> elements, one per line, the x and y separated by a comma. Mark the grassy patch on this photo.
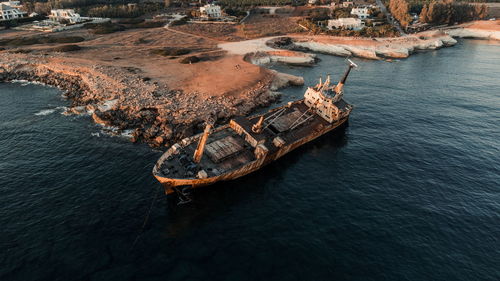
<point>109,27</point>
<point>67,48</point>
<point>142,41</point>
<point>190,59</point>
<point>148,24</point>
<point>20,51</point>
<point>179,22</point>
<point>170,51</point>
<point>131,21</point>
<point>40,40</point>
<point>104,28</point>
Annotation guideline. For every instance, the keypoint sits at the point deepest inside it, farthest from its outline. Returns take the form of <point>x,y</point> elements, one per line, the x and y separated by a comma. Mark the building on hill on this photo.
<point>8,12</point>
<point>346,23</point>
<point>211,11</point>
<point>69,15</point>
<point>362,13</point>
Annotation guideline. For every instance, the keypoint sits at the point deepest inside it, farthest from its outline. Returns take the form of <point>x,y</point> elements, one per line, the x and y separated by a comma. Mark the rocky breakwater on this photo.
<point>375,48</point>
<point>122,98</point>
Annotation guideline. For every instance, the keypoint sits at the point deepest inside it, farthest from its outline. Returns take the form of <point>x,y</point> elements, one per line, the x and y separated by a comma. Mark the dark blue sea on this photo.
<point>410,190</point>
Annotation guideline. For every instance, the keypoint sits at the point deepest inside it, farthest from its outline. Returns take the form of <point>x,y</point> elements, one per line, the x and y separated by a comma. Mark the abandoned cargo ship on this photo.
<point>247,144</point>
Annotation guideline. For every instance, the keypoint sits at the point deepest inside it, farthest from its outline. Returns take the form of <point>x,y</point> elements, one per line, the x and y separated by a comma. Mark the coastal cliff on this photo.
<point>376,48</point>
<point>485,29</point>
<point>293,49</point>
<point>118,97</point>
<point>474,33</point>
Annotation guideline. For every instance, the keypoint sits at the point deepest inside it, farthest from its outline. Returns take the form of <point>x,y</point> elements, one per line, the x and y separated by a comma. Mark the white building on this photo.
<point>10,10</point>
<point>347,23</point>
<point>65,14</point>
<point>362,13</point>
<point>211,11</point>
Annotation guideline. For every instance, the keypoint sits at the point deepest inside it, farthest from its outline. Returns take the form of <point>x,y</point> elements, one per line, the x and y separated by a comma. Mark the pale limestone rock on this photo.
<point>474,33</point>
<point>282,80</point>
<point>324,48</point>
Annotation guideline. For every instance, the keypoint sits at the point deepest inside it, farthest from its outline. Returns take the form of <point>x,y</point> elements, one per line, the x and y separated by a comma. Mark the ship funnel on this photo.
<point>198,153</point>
<point>340,85</point>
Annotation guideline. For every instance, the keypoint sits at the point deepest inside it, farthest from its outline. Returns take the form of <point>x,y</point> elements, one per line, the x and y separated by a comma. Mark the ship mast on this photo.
<point>198,153</point>
<point>340,85</point>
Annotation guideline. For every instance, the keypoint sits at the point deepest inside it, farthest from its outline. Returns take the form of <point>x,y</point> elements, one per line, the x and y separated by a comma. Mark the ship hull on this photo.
<point>171,184</point>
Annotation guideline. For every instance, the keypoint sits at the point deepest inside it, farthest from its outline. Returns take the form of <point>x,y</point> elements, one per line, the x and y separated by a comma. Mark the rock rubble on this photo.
<point>120,98</point>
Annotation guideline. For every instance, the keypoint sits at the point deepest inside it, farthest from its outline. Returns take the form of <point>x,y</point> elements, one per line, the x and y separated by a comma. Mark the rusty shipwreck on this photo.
<point>247,144</point>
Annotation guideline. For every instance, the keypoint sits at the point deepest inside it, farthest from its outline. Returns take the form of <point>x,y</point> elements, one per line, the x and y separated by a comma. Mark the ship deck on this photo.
<point>228,150</point>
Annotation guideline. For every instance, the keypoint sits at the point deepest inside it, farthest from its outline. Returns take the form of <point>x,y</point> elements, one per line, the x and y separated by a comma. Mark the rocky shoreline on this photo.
<point>123,98</point>
<point>472,33</point>
<point>376,48</point>
<point>120,98</point>
<point>299,49</point>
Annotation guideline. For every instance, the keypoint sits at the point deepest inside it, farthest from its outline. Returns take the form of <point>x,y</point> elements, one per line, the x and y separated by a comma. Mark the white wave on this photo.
<point>109,130</point>
<point>51,110</point>
<point>95,134</point>
<point>127,134</point>
<point>45,112</point>
<point>26,82</point>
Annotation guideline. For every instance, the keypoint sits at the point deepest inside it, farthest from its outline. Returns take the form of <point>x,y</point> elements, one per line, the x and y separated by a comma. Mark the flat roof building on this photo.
<point>362,12</point>
<point>211,11</point>
<point>347,23</point>
<point>69,15</point>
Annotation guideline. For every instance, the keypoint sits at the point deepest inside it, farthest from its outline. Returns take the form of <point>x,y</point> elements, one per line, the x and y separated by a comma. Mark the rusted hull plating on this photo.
<point>169,183</point>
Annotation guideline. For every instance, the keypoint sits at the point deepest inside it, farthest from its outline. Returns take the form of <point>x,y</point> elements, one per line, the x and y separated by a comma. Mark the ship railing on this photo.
<point>302,122</point>
<point>275,116</point>
<point>298,121</point>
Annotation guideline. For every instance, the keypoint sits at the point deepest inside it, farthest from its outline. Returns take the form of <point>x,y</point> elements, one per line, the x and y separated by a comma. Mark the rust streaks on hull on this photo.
<point>170,183</point>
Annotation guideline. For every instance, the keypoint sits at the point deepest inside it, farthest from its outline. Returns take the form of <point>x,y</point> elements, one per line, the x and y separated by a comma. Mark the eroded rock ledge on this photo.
<point>376,48</point>
<point>118,97</point>
<point>474,33</point>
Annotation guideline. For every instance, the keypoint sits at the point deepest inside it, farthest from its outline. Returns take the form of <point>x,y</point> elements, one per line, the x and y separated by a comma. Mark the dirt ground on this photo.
<point>216,74</point>
<point>261,25</point>
<point>255,26</point>
<point>216,31</point>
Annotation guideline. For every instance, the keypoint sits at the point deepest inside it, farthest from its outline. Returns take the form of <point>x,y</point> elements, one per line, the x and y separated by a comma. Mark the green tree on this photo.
<point>400,11</point>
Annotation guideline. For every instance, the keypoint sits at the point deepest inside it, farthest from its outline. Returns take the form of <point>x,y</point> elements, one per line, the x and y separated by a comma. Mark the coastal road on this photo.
<point>383,9</point>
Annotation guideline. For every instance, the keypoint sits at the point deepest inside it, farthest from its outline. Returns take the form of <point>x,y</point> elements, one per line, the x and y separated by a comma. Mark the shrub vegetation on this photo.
<point>171,51</point>
<point>104,28</point>
<point>40,40</point>
<point>67,48</point>
<point>190,59</point>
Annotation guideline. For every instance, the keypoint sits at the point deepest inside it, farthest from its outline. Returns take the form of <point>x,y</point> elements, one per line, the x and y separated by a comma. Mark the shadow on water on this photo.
<point>209,200</point>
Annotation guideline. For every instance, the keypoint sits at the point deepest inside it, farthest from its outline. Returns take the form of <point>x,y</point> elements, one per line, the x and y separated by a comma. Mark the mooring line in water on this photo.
<point>146,218</point>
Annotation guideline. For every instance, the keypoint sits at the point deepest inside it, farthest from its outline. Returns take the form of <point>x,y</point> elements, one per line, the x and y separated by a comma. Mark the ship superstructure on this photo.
<point>247,144</point>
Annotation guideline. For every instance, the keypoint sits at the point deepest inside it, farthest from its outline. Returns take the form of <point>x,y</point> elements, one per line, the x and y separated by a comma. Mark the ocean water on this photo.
<point>410,190</point>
